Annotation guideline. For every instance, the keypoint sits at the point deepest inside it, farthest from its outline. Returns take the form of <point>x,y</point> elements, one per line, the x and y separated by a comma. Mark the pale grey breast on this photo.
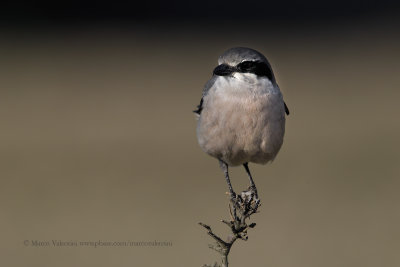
<point>242,119</point>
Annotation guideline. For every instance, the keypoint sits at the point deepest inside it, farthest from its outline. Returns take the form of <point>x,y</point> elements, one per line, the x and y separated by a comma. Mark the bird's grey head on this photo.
<point>244,60</point>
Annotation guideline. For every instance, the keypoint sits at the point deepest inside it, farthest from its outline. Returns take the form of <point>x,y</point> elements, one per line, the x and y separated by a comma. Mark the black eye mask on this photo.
<point>258,68</point>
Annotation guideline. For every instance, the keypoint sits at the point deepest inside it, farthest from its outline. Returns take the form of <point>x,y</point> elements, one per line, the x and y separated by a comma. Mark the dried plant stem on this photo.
<point>241,207</point>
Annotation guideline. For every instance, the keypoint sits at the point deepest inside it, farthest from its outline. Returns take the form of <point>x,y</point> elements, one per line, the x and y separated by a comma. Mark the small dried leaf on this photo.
<point>252,225</point>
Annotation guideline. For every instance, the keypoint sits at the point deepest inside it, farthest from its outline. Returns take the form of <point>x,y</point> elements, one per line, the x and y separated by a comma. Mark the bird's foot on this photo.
<point>241,207</point>
<point>232,194</point>
<point>253,189</point>
<point>247,202</point>
<point>234,198</point>
<point>251,202</point>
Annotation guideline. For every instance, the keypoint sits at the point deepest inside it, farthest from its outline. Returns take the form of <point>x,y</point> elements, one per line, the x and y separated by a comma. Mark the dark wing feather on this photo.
<point>206,88</point>
<point>286,109</point>
<point>199,107</point>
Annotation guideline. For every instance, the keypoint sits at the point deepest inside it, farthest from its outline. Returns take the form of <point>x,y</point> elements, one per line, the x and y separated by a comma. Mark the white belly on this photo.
<point>243,120</point>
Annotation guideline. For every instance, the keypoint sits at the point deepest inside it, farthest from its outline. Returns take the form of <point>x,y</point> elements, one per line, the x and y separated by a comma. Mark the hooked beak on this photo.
<point>224,70</point>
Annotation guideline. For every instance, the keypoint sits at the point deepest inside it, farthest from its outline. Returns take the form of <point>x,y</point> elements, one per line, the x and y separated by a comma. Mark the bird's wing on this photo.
<point>206,88</point>
<point>286,108</point>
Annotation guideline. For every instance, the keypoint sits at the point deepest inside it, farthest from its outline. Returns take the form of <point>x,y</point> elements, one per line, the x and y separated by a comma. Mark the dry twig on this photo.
<point>241,207</point>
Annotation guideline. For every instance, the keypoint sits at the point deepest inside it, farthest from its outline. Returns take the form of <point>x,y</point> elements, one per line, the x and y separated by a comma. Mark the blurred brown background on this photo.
<point>98,142</point>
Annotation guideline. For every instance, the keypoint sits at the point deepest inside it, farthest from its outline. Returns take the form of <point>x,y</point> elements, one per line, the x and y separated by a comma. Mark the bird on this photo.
<point>241,116</point>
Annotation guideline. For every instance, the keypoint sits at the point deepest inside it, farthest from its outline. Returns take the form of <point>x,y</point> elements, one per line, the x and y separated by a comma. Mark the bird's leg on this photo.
<point>224,168</point>
<point>252,184</point>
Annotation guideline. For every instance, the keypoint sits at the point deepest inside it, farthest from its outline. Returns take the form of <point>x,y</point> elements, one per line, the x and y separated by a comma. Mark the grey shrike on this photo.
<point>241,116</point>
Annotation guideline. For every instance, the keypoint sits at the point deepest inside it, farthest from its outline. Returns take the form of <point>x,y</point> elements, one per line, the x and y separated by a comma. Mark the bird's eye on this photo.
<point>255,67</point>
<point>246,66</point>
